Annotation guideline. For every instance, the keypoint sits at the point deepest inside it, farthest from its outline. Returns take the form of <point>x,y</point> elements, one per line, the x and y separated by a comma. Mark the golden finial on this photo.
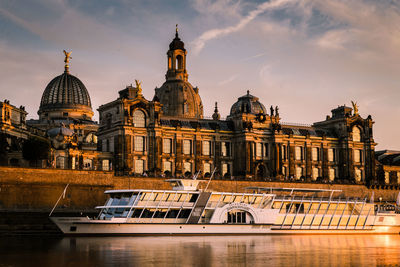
<point>66,60</point>
<point>355,108</point>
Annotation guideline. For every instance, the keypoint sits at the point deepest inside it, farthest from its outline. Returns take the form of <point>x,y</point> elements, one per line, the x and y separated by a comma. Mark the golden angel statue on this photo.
<point>67,56</point>
<point>355,107</point>
<point>139,87</point>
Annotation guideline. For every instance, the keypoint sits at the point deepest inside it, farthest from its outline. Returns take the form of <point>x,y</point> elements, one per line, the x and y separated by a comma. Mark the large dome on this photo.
<point>66,96</point>
<point>248,104</point>
<point>180,99</point>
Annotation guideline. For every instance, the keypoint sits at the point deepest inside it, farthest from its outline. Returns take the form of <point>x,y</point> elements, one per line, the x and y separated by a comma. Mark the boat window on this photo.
<point>184,214</point>
<point>299,208</point>
<point>160,213</point>
<point>236,216</point>
<point>194,198</point>
<point>172,214</point>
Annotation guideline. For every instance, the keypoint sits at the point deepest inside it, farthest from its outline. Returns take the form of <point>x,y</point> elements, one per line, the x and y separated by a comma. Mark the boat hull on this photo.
<point>85,226</point>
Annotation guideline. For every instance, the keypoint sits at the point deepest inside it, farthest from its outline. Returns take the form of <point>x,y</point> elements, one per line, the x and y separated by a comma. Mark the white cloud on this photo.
<point>200,42</point>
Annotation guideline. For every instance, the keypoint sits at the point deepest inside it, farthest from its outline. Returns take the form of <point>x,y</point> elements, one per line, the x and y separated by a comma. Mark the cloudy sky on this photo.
<point>306,56</point>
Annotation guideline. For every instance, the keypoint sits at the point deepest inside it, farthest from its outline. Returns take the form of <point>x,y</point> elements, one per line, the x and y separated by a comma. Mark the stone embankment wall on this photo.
<point>27,189</point>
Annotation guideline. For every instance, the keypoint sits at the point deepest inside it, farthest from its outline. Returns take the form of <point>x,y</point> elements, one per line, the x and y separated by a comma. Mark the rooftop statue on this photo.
<point>355,107</point>
<point>139,87</point>
<point>67,56</point>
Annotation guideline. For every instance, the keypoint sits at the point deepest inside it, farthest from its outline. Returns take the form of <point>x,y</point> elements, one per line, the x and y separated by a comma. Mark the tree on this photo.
<point>35,149</point>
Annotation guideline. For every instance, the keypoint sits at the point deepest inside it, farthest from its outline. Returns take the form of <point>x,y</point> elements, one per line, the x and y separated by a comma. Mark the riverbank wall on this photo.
<point>27,195</point>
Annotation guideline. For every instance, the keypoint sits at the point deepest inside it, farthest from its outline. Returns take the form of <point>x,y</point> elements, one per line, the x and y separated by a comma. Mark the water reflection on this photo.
<point>340,250</point>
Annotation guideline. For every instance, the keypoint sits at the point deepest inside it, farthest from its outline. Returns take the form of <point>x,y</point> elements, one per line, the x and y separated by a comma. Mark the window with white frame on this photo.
<point>105,165</point>
<point>167,145</point>
<point>139,166</point>
<point>206,168</point>
<point>187,167</point>
<point>225,149</point>
<point>315,153</point>
<point>187,147</point>
<point>358,175</point>
<point>139,143</point>
<point>139,118</point>
<point>167,166</point>
<point>206,148</point>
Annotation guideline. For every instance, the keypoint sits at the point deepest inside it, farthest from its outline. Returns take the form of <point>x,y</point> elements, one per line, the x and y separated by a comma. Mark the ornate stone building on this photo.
<point>65,113</point>
<point>170,135</point>
<point>13,133</point>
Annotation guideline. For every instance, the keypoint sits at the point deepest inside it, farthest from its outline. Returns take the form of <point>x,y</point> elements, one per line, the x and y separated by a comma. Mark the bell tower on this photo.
<point>176,60</point>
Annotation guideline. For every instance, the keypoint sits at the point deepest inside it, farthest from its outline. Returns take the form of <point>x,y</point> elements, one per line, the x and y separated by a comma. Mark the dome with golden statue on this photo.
<point>65,97</point>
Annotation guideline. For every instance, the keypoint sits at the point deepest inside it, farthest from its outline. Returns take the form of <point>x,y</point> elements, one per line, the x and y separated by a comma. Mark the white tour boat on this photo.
<point>189,211</point>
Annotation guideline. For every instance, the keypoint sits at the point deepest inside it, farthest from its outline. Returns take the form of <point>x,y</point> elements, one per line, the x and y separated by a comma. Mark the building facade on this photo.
<point>169,135</point>
<point>65,114</point>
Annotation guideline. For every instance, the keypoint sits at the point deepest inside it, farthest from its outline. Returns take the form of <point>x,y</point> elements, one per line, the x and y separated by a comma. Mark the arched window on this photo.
<point>179,62</point>
<point>139,118</point>
<point>356,134</point>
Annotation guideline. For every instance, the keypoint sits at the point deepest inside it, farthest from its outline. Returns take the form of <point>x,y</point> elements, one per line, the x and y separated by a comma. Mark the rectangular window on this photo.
<point>139,166</point>
<point>258,149</point>
<point>332,174</point>
<point>332,155</point>
<point>358,174</point>
<point>265,150</point>
<point>284,152</point>
<point>315,153</point>
<point>226,149</point>
<point>105,165</point>
<point>139,143</point>
<point>187,167</point>
<point>226,168</point>
<point>387,177</point>
<point>206,148</point>
<point>299,172</point>
<point>298,153</point>
<point>167,144</point>
<point>207,168</point>
<point>315,173</point>
<point>167,166</point>
<point>187,147</point>
<point>111,144</point>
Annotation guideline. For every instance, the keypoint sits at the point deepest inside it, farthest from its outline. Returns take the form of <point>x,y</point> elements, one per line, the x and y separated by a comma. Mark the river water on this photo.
<point>316,250</point>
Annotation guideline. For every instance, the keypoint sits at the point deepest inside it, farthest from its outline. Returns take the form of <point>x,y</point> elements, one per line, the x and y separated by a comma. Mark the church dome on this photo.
<point>177,95</point>
<point>66,96</point>
<point>180,99</point>
<point>248,104</point>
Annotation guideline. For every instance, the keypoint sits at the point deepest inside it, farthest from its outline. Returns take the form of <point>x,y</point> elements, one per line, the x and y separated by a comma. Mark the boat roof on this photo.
<point>292,190</point>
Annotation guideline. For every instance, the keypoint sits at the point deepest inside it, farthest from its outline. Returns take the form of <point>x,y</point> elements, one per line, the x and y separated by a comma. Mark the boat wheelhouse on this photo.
<point>187,210</point>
